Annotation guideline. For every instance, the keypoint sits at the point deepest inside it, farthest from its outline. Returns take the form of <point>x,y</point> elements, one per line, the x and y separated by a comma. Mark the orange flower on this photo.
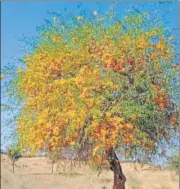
<point>126,140</point>
<point>133,116</point>
<point>128,126</point>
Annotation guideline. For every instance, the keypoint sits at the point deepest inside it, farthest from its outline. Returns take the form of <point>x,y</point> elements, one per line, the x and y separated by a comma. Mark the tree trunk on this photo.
<point>119,178</point>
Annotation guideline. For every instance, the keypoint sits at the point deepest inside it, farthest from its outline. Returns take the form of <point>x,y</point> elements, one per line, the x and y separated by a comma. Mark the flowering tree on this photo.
<point>103,84</point>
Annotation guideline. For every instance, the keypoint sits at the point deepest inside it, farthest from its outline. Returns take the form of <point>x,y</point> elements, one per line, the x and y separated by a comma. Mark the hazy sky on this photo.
<point>23,17</point>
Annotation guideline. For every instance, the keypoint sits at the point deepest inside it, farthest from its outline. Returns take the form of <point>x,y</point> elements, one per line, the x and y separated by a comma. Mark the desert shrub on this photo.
<point>173,162</point>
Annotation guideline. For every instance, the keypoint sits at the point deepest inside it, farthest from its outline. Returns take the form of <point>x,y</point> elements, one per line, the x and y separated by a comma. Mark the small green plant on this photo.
<point>13,151</point>
<point>14,154</point>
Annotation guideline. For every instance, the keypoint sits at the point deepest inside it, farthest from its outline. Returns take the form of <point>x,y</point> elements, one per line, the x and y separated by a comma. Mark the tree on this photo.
<point>105,84</point>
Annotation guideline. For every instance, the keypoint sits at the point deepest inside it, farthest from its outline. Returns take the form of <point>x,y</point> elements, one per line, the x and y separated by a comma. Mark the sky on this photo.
<point>22,18</point>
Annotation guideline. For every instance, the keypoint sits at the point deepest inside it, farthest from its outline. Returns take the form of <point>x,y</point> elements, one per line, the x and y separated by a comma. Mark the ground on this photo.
<point>35,173</point>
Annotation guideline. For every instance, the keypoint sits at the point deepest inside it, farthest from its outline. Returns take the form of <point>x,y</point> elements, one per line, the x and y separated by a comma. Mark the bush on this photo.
<point>173,162</point>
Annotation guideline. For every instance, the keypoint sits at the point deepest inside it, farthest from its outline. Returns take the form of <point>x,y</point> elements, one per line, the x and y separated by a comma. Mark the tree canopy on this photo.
<point>98,83</point>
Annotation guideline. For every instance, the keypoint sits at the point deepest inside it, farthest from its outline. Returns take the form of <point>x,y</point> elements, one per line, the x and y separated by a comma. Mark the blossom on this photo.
<point>79,18</point>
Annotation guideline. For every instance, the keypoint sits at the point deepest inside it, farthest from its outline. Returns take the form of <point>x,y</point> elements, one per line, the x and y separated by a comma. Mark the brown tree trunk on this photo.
<point>119,178</point>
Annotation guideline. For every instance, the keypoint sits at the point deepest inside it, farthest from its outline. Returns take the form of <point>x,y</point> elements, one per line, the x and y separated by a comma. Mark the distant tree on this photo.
<point>14,154</point>
<point>102,84</point>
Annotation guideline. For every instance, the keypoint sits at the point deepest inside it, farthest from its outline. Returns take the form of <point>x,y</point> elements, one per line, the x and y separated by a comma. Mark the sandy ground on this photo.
<point>35,173</point>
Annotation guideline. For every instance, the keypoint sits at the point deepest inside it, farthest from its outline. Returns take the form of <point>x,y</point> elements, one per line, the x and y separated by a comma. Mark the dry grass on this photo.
<point>36,173</point>
<point>134,182</point>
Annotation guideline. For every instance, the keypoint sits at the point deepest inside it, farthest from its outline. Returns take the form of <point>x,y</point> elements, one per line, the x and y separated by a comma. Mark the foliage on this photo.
<point>98,83</point>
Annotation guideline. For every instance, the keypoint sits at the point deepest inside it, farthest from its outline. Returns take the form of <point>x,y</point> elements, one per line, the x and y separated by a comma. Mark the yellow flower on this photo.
<point>133,116</point>
<point>96,149</point>
<point>160,47</point>
<point>79,18</point>
<point>103,132</point>
<point>20,70</point>
<point>73,144</point>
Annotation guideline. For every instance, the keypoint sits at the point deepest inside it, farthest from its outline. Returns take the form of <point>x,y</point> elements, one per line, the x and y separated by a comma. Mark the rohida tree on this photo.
<point>105,84</point>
